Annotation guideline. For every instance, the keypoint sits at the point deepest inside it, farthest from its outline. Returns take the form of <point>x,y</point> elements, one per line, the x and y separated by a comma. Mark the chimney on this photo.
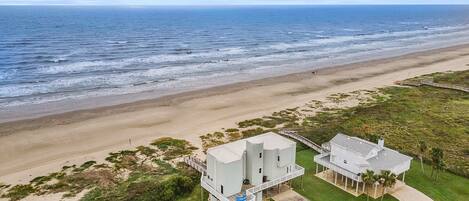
<point>381,143</point>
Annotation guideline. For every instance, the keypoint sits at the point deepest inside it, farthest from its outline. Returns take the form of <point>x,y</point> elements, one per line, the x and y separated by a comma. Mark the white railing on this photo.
<point>335,168</point>
<point>250,193</point>
<point>211,190</point>
<point>196,163</point>
<point>302,139</point>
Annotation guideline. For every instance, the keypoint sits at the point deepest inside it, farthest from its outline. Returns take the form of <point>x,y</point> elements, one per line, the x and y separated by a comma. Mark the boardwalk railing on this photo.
<point>304,140</point>
<point>434,84</point>
<point>196,163</point>
<point>444,86</point>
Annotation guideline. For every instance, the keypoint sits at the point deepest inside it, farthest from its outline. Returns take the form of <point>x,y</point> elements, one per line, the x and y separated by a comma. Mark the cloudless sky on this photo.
<point>222,2</point>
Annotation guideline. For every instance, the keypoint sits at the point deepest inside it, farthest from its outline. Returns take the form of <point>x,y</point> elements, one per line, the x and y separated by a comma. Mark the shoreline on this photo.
<point>34,147</point>
<point>111,102</point>
<point>176,97</point>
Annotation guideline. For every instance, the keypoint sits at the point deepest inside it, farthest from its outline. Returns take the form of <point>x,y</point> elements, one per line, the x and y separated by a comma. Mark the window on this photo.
<point>221,189</point>
<point>345,161</point>
<point>260,155</point>
<point>260,170</point>
<point>278,158</point>
<point>288,169</point>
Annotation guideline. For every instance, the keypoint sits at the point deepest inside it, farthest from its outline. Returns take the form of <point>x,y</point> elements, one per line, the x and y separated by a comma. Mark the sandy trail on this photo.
<point>31,148</point>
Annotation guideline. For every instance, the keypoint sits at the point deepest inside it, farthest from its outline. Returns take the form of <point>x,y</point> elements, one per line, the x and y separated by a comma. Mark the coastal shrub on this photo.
<point>19,192</point>
<point>145,188</point>
<point>231,130</point>
<point>252,132</point>
<point>167,142</point>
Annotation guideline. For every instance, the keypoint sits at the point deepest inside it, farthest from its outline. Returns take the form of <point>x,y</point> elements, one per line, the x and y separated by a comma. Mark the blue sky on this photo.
<point>222,2</point>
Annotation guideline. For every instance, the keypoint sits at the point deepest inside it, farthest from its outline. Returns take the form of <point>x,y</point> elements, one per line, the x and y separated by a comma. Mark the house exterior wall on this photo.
<point>254,162</point>
<point>228,175</point>
<point>275,168</point>
<point>347,160</point>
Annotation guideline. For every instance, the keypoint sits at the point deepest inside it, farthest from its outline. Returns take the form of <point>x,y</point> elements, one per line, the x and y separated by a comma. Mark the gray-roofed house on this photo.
<point>349,157</point>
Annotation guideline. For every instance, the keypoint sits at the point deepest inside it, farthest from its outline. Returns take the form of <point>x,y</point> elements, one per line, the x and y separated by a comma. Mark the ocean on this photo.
<point>60,53</point>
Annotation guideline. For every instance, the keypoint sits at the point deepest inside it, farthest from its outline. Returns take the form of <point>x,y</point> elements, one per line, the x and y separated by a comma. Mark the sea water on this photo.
<point>60,53</point>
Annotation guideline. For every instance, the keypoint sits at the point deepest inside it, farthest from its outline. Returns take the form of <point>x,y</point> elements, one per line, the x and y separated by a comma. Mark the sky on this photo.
<point>222,2</point>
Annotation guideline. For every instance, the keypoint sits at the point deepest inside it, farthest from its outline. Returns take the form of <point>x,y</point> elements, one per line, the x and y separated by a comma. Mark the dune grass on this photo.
<point>403,117</point>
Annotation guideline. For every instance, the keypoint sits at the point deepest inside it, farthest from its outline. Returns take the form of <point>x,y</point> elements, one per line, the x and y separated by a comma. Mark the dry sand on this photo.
<point>30,148</point>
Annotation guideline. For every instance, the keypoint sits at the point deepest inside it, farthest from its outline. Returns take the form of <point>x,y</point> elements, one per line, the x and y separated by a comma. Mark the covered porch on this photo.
<point>349,181</point>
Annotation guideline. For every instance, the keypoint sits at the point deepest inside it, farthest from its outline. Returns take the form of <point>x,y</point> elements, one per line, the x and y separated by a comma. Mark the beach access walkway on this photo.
<point>434,84</point>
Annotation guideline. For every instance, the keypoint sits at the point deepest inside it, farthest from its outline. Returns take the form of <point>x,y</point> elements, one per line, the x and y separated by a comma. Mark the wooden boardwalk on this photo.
<point>302,139</point>
<point>434,84</point>
<point>196,163</point>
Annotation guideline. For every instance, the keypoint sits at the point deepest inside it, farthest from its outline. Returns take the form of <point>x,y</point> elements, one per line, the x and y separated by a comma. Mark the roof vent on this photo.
<point>381,143</point>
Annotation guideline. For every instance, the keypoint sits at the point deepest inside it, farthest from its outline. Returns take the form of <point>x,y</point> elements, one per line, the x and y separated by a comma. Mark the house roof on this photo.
<point>233,151</point>
<point>354,144</point>
<point>385,158</point>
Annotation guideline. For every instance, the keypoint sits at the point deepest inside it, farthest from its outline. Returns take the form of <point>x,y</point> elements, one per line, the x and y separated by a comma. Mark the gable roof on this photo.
<point>385,158</point>
<point>354,144</point>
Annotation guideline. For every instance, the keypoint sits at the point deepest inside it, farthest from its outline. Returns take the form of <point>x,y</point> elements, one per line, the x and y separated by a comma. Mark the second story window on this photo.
<point>260,155</point>
<point>260,170</point>
<point>345,161</point>
<point>278,158</point>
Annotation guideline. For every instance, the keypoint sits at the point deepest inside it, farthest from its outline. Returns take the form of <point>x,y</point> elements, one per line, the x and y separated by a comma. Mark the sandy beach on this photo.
<point>34,147</point>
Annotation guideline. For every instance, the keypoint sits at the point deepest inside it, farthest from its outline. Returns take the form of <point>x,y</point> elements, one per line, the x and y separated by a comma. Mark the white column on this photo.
<point>317,168</point>
<point>403,178</point>
<point>346,179</point>
<point>335,178</point>
<point>363,187</point>
<point>356,190</point>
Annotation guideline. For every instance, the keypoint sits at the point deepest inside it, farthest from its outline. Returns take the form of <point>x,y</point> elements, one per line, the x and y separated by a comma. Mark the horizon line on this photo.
<point>220,5</point>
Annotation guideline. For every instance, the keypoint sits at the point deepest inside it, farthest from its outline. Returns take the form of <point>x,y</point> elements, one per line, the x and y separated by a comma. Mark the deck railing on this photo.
<point>250,193</point>
<point>211,190</point>
<point>335,168</point>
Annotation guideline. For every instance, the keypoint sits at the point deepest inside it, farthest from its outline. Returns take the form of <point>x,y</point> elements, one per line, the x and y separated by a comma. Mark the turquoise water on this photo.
<point>50,54</point>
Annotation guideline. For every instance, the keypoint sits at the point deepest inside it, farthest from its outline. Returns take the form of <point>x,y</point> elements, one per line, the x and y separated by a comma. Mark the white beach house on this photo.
<point>349,157</point>
<point>247,167</point>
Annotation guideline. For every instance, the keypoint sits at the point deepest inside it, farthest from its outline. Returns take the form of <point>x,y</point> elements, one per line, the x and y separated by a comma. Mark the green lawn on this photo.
<point>449,187</point>
<point>316,189</point>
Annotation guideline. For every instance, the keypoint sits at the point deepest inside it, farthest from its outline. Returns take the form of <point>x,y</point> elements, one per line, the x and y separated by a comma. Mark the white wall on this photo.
<point>254,162</point>
<point>273,168</point>
<point>347,160</point>
<point>230,175</point>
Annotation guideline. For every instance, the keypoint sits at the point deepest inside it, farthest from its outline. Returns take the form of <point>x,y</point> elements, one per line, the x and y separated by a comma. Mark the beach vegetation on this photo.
<point>19,192</point>
<point>140,172</point>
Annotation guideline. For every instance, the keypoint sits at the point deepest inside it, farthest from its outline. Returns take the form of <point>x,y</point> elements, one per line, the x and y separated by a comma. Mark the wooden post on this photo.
<point>201,194</point>
<point>317,168</point>
<point>375,189</point>
<point>403,178</point>
<point>363,187</point>
<point>356,190</point>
